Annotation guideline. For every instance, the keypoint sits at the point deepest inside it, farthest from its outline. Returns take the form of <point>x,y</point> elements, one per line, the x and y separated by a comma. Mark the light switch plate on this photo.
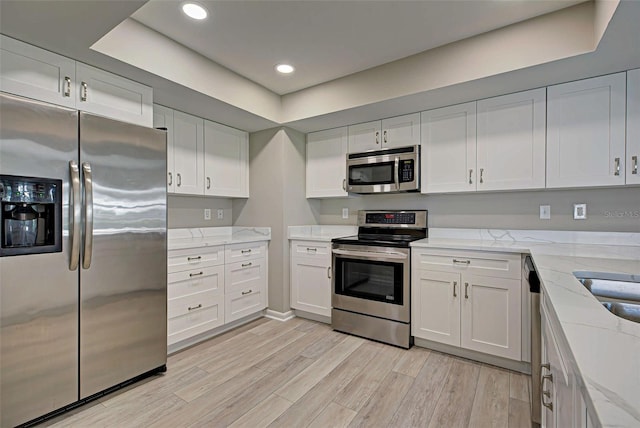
<point>545,212</point>
<point>207,214</point>
<point>579,211</point>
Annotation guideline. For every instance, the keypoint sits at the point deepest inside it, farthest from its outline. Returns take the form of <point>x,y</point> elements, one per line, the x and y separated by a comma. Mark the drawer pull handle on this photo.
<point>67,90</point>
<point>196,274</point>
<point>244,293</point>
<point>466,290</point>
<point>546,393</point>
<point>462,262</point>
<point>246,264</point>
<point>194,258</point>
<point>312,249</point>
<point>193,308</point>
<point>245,251</point>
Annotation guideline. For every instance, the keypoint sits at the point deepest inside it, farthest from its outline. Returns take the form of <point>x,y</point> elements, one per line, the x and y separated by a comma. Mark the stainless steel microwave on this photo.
<point>384,171</point>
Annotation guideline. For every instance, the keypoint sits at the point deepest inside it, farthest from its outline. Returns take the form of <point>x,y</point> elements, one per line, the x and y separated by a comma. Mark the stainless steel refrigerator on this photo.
<point>82,256</point>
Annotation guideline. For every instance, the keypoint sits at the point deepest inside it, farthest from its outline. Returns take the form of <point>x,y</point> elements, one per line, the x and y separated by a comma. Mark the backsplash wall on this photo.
<point>609,210</point>
<point>188,211</point>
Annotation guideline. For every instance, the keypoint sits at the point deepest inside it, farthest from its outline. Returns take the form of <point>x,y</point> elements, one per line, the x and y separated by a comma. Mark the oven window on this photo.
<point>371,280</point>
<point>375,173</point>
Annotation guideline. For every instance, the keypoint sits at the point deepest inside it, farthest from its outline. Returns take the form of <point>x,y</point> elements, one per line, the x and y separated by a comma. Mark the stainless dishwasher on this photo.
<point>531,276</point>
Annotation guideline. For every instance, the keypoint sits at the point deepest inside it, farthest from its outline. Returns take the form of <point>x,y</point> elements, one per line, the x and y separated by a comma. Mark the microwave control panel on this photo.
<point>406,171</point>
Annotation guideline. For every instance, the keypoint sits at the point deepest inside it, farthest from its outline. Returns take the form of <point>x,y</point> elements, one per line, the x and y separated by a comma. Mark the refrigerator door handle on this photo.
<point>88,215</point>
<point>75,209</point>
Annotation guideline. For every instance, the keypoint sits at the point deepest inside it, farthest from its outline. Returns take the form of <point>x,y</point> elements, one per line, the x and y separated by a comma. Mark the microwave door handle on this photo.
<point>88,215</point>
<point>396,172</point>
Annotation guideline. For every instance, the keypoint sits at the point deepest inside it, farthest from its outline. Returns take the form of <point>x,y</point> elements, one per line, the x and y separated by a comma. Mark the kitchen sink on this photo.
<point>619,293</point>
<point>628,311</point>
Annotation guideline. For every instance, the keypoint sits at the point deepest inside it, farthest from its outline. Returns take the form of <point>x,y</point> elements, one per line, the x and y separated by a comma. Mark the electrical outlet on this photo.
<point>345,213</point>
<point>579,211</point>
<point>207,214</point>
<point>220,214</point>
<point>545,212</point>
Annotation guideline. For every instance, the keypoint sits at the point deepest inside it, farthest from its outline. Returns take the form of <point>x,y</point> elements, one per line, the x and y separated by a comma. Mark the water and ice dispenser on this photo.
<point>31,215</point>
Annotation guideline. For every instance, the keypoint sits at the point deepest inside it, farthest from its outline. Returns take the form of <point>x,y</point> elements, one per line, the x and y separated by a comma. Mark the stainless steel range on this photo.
<point>371,276</point>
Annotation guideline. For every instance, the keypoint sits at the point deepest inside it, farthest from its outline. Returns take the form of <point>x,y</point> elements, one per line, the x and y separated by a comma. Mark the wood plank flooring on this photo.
<point>300,373</point>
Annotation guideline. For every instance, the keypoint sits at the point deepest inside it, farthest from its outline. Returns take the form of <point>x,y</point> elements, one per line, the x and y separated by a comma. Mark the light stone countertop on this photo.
<point>605,349</point>
<point>211,236</point>
<point>321,233</point>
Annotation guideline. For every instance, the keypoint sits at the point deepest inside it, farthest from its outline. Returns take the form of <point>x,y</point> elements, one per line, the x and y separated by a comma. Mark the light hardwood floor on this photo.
<point>300,373</point>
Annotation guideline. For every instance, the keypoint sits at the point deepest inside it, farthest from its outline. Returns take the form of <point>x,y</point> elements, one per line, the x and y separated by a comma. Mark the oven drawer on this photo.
<point>194,258</point>
<point>500,265</point>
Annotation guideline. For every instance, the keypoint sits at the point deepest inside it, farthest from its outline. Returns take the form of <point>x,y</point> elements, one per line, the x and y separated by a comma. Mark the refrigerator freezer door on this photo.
<point>38,292</point>
<point>123,294</point>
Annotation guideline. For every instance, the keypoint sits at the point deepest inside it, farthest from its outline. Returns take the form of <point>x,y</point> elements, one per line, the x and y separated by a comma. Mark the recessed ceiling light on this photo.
<point>194,10</point>
<point>284,68</point>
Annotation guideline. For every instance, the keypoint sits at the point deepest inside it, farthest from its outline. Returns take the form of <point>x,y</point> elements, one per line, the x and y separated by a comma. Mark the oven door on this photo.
<point>372,281</point>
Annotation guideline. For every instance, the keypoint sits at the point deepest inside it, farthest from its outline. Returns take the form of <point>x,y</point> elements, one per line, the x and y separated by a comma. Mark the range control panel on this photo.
<point>414,219</point>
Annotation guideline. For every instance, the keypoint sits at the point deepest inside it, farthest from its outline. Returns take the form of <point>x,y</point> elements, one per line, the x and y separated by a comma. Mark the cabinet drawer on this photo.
<point>310,249</point>
<point>191,303</point>
<point>501,265</point>
<point>244,251</point>
<point>245,275</point>
<point>195,281</point>
<point>195,258</point>
<point>242,303</point>
<point>197,321</point>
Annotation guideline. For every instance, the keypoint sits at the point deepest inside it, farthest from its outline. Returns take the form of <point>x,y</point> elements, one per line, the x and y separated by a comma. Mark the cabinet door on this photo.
<point>401,131</point>
<point>326,163</point>
<point>586,132</point>
<point>435,306</point>
<point>511,141</point>
<point>188,148</point>
<point>35,73</point>
<point>365,136</point>
<point>311,285</point>
<point>163,118</point>
<point>491,315</point>
<point>113,96</point>
<point>633,126</point>
<point>226,161</point>
<point>448,152</point>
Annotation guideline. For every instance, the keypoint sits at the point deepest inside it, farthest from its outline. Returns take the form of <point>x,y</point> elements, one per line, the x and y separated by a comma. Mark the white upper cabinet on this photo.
<point>511,141</point>
<point>633,126</point>
<point>326,163</point>
<point>163,118</point>
<point>389,133</point>
<point>42,75</point>
<point>113,96</point>
<point>448,151</point>
<point>226,161</point>
<point>586,132</point>
<point>188,142</point>
<point>35,73</point>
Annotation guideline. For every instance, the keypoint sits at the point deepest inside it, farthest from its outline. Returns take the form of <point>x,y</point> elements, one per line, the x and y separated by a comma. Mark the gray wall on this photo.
<point>277,200</point>
<point>188,211</point>
<point>609,210</point>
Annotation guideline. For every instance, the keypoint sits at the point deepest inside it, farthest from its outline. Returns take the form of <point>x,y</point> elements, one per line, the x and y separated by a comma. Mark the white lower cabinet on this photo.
<point>558,384</point>
<point>468,299</point>
<point>204,292</point>
<point>311,277</point>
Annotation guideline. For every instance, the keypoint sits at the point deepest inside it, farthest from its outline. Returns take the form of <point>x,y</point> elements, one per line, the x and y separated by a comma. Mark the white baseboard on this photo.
<point>279,316</point>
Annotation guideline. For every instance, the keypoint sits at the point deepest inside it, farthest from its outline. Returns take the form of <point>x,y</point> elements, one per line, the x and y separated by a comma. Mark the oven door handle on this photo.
<point>396,172</point>
<point>370,254</point>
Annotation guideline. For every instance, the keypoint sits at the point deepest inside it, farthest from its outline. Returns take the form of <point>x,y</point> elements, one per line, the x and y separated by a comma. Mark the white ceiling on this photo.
<point>326,39</point>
